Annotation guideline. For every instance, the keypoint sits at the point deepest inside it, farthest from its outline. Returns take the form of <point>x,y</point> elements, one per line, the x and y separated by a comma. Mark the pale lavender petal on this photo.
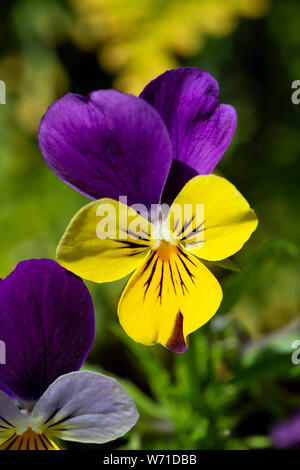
<point>10,416</point>
<point>86,407</point>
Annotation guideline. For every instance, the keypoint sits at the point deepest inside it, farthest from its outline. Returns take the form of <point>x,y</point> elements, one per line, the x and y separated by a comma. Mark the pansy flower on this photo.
<point>158,150</point>
<point>47,326</point>
<point>286,434</point>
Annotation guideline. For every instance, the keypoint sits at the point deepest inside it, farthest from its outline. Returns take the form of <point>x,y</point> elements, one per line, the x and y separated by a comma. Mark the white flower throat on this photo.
<point>161,233</point>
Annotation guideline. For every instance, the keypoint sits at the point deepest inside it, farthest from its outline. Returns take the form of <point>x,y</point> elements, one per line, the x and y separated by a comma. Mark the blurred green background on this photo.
<point>237,378</point>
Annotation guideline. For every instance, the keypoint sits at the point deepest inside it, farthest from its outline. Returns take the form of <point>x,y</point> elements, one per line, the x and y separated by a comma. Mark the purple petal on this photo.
<point>47,324</point>
<point>108,144</point>
<point>286,435</point>
<point>86,407</point>
<point>200,130</point>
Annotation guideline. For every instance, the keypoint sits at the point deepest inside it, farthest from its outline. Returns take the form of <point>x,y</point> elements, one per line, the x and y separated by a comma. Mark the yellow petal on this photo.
<point>212,218</point>
<point>169,297</point>
<point>105,241</point>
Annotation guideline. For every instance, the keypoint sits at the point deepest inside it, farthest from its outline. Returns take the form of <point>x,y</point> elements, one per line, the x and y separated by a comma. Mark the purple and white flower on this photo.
<point>47,324</point>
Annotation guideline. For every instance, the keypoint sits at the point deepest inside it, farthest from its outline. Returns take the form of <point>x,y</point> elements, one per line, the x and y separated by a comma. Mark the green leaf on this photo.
<point>225,264</point>
<point>235,286</point>
<point>270,356</point>
<point>258,442</point>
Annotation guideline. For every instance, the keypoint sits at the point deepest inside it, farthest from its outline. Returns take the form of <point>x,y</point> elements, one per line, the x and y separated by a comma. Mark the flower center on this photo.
<point>166,250</point>
<point>161,236</point>
<point>29,440</point>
